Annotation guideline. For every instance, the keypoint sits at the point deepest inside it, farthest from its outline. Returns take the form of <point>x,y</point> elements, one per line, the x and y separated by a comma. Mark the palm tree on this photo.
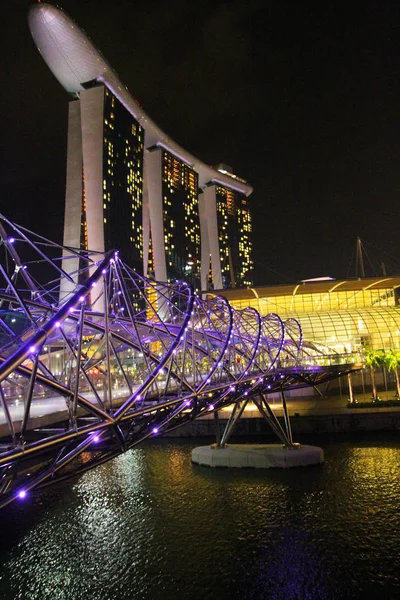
<point>374,359</point>
<point>351,395</point>
<point>393,364</point>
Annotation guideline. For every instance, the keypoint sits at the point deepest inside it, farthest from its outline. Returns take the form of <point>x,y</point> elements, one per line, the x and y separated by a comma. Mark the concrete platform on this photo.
<point>259,456</point>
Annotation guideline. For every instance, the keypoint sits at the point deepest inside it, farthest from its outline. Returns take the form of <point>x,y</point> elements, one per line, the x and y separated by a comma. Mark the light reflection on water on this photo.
<point>150,525</point>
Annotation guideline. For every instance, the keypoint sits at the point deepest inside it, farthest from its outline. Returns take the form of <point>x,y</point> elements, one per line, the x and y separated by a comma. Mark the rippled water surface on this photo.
<point>150,525</point>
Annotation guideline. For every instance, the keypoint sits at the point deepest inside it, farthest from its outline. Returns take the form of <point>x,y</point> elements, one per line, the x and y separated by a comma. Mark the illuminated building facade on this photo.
<point>344,315</point>
<point>172,229</point>
<point>103,208</point>
<point>181,219</point>
<point>225,237</point>
<point>123,181</point>
<point>234,235</point>
<point>132,187</point>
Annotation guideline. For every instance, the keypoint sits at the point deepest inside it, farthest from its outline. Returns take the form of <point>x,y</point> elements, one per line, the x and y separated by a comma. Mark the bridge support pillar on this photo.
<point>217,429</point>
<point>285,455</point>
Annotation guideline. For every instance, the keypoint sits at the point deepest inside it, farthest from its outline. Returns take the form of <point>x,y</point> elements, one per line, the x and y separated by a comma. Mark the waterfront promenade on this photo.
<point>316,405</point>
<point>308,415</point>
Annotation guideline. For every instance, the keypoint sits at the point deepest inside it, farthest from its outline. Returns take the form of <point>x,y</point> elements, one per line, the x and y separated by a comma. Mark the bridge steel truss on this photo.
<point>95,360</point>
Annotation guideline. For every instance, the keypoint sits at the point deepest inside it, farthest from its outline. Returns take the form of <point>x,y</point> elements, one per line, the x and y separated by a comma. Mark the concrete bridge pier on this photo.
<point>286,454</point>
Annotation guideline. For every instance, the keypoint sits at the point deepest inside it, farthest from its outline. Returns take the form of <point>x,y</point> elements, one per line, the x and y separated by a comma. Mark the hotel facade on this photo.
<point>130,186</point>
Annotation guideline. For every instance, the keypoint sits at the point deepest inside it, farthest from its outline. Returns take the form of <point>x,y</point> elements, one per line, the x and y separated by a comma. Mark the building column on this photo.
<point>92,114</point>
<point>92,117</point>
<point>153,173</point>
<point>73,199</point>
<point>204,244</point>
<point>209,213</point>
<point>145,217</point>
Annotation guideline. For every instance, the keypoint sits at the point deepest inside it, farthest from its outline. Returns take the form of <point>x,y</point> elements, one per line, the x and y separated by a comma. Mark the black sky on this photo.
<point>302,99</point>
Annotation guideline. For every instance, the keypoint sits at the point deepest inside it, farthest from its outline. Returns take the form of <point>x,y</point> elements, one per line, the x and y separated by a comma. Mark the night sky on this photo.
<point>302,99</point>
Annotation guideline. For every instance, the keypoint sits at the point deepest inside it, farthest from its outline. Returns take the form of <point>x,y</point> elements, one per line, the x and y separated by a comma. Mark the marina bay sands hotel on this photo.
<point>129,185</point>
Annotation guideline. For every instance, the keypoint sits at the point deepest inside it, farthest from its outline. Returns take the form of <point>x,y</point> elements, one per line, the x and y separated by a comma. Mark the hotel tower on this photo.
<point>129,185</point>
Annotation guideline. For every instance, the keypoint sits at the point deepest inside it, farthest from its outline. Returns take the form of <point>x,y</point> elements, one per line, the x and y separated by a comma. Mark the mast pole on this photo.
<point>360,259</point>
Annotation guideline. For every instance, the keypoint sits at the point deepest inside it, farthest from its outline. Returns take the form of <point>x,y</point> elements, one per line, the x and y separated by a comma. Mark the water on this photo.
<point>150,525</point>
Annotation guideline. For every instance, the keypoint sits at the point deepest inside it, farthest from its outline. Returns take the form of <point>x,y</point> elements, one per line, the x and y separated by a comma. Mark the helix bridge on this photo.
<point>95,358</point>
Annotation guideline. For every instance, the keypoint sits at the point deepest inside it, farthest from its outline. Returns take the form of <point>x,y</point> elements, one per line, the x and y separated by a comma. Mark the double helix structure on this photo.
<point>97,358</point>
